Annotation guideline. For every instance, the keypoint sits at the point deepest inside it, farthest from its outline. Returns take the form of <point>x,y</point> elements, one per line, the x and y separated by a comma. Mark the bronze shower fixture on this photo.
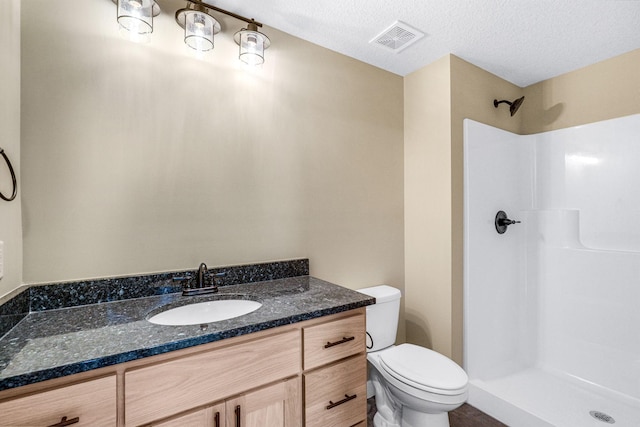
<point>513,105</point>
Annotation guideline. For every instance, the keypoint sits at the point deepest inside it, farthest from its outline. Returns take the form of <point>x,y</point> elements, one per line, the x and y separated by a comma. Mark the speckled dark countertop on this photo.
<point>54,343</point>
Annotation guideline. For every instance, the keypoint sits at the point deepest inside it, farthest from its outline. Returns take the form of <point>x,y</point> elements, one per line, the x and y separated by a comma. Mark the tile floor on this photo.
<point>468,416</point>
<point>464,416</point>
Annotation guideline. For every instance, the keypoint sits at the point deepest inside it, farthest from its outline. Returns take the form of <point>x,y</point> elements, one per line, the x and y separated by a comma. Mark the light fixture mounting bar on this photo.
<point>226,12</point>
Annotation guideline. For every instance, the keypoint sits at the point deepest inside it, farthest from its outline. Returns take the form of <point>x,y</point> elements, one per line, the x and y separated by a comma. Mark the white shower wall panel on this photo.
<point>590,316</point>
<point>588,192</point>
<point>555,300</point>
<point>502,163</point>
<point>595,169</point>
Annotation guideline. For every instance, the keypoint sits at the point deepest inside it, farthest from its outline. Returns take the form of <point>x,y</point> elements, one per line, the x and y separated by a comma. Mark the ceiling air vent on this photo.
<point>397,37</point>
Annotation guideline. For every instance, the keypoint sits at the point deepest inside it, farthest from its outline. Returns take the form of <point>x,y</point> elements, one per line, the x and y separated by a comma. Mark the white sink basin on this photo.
<point>205,312</point>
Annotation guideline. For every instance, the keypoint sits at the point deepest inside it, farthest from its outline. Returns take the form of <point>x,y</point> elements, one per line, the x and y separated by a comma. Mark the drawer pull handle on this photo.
<point>65,422</point>
<point>342,341</point>
<point>238,416</point>
<point>340,402</point>
<point>216,419</point>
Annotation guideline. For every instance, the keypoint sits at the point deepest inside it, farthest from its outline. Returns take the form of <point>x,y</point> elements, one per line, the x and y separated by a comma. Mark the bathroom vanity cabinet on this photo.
<point>307,373</point>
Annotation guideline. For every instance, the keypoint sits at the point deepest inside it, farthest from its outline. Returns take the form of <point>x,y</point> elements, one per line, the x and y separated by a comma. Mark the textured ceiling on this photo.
<point>522,41</point>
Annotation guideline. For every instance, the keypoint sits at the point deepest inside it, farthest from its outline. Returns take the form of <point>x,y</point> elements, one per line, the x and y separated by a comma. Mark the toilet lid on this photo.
<point>424,368</point>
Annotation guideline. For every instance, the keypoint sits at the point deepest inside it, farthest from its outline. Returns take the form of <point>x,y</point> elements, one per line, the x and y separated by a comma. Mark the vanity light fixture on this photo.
<point>199,26</point>
<point>136,16</point>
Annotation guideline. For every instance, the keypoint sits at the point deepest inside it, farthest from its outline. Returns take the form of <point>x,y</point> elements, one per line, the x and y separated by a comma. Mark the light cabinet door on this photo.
<point>277,405</point>
<point>212,416</point>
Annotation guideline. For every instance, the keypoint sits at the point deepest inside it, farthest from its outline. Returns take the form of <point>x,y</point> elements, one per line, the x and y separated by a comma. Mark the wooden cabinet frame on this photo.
<point>229,370</point>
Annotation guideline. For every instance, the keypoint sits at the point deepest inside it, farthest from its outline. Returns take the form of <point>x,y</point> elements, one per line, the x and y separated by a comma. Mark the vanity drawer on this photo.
<point>167,388</point>
<point>92,402</point>
<point>337,394</point>
<point>327,342</point>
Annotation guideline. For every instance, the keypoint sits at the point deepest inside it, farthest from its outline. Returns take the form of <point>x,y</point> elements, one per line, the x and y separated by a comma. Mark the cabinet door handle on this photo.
<point>66,422</point>
<point>238,416</point>
<point>342,341</point>
<point>340,402</point>
<point>216,419</point>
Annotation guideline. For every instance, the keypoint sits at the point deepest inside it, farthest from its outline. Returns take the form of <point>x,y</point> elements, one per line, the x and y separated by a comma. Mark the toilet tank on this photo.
<point>382,317</point>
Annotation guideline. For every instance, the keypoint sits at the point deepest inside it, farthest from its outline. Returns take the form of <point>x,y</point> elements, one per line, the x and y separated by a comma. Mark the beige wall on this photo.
<point>427,183</point>
<point>437,99</point>
<point>143,158</point>
<point>601,91</point>
<point>10,212</point>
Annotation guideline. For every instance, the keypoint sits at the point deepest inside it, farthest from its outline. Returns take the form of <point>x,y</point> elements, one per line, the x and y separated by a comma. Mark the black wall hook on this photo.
<point>502,222</point>
<point>13,179</point>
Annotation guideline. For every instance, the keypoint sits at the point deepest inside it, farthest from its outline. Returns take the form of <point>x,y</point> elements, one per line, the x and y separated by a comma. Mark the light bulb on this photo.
<point>252,41</point>
<point>198,22</point>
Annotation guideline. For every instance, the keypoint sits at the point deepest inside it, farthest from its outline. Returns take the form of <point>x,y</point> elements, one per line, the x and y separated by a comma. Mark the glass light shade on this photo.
<point>199,30</point>
<point>252,45</point>
<point>136,16</point>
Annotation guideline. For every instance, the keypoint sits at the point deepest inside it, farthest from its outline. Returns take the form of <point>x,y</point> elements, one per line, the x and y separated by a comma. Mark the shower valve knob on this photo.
<point>502,221</point>
<point>507,221</point>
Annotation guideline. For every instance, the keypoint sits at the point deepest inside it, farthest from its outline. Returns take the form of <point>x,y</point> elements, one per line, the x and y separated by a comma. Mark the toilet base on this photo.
<point>411,418</point>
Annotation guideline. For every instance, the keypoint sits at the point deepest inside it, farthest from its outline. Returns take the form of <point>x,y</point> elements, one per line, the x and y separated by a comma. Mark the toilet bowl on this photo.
<point>413,386</point>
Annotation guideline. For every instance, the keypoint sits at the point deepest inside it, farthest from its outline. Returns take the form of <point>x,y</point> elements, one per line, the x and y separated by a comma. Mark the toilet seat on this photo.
<point>424,369</point>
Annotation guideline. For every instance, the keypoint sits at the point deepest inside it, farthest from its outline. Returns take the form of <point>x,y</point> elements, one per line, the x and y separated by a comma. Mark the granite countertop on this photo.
<point>54,343</point>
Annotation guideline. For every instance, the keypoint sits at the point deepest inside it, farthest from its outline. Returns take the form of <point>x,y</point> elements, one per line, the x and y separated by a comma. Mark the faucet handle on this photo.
<point>214,276</point>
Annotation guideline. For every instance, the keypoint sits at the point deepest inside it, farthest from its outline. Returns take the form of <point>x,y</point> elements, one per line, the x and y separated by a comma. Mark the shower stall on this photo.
<point>552,305</point>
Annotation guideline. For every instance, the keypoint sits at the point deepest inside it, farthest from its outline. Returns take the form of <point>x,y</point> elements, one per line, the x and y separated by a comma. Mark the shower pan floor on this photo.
<point>538,398</point>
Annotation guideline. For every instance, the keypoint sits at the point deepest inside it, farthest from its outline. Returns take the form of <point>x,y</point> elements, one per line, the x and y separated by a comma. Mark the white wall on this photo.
<point>10,212</point>
<point>560,291</point>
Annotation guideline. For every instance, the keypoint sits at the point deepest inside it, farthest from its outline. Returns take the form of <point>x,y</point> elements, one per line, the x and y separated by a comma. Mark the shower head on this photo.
<point>513,105</point>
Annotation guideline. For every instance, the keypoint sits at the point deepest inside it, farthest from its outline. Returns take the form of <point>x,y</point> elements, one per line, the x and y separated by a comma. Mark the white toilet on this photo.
<point>414,386</point>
